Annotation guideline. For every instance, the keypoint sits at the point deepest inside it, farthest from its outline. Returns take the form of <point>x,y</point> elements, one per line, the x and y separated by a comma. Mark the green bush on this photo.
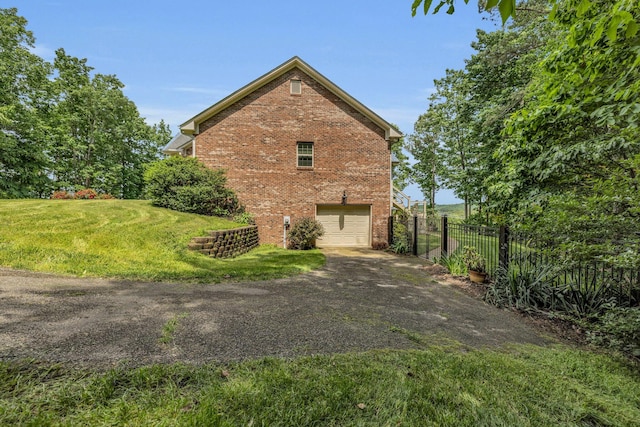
<point>401,239</point>
<point>619,329</point>
<point>244,218</point>
<point>454,263</point>
<point>473,260</point>
<point>304,232</point>
<point>185,184</point>
<point>524,288</point>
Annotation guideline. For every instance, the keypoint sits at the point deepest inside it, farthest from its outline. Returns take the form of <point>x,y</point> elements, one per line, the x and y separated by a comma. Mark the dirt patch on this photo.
<point>441,274</point>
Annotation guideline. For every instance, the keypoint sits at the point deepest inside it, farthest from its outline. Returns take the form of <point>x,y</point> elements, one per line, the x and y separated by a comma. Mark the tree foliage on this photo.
<point>552,113</point>
<point>506,8</point>
<point>23,95</point>
<point>64,127</point>
<point>577,142</point>
<point>423,146</point>
<point>442,131</point>
<point>401,171</point>
<point>455,139</point>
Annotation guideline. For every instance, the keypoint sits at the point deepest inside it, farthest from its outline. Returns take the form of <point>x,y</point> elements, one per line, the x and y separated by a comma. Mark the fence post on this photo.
<point>444,236</point>
<point>414,249</point>
<point>503,247</point>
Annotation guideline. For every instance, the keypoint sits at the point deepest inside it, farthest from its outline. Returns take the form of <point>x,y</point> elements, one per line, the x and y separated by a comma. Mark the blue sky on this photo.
<point>177,58</point>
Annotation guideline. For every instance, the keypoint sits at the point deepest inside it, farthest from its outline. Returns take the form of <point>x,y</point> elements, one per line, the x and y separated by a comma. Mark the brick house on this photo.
<point>293,144</point>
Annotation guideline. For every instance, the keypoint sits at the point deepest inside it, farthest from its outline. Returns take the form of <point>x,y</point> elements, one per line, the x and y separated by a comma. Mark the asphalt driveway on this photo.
<point>361,300</point>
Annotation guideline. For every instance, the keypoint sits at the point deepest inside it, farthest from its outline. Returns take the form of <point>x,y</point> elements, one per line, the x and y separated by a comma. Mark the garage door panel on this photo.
<point>345,225</point>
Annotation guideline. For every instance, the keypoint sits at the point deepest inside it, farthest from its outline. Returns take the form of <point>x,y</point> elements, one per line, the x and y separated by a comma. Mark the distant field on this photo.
<point>452,211</point>
<point>128,239</point>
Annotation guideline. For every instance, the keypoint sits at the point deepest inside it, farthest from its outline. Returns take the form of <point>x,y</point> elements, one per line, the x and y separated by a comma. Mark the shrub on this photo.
<point>619,329</point>
<point>586,299</point>
<point>244,218</point>
<point>524,288</point>
<point>454,264</point>
<point>185,184</point>
<point>86,194</point>
<point>59,195</point>
<point>304,232</point>
<point>401,239</point>
<point>473,260</point>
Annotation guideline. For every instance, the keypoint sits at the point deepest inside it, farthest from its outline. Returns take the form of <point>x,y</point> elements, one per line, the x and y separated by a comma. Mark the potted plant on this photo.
<point>476,264</point>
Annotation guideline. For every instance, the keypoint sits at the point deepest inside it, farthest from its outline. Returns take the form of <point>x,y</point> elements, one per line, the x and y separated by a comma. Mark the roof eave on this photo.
<point>189,127</point>
<point>392,134</point>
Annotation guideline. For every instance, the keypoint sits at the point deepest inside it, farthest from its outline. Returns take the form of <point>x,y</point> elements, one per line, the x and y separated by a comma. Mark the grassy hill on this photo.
<point>128,239</point>
<point>452,211</point>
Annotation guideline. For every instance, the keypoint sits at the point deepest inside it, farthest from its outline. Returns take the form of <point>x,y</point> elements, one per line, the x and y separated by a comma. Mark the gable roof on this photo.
<point>177,143</point>
<point>190,127</point>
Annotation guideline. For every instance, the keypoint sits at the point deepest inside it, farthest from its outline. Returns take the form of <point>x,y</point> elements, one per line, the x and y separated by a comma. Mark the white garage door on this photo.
<point>344,225</point>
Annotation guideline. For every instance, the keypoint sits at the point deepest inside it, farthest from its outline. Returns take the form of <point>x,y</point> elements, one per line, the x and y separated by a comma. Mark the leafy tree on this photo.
<point>100,139</point>
<point>423,146</point>
<point>63,127</point>
<point>578,139</point>
<point>23,103</point>
<point>445,129</point>
<point>499,73</point>
<point>470,107</point>
<point>401,171</point>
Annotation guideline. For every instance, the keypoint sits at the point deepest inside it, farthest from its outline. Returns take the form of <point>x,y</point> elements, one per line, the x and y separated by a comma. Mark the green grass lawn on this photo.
<point>428,241</point>
<point>129,239</point>
<point>521,386</point>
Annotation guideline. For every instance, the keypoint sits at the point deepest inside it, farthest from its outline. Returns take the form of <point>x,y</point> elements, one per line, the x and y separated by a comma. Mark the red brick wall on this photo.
<point>255,140</point>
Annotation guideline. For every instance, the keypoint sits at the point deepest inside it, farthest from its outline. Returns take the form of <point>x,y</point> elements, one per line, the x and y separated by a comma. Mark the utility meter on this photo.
<point>287,220</point>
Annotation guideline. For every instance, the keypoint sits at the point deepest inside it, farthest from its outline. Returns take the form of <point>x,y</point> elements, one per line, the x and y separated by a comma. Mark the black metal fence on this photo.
<point>433,238</point>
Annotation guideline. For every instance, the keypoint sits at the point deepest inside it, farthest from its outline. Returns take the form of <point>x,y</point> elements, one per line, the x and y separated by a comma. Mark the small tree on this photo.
<point>304,233</point>
<point>185,184</point>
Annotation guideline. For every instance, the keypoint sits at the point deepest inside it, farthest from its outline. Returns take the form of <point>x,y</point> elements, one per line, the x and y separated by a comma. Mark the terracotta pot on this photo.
<point>477,276</point>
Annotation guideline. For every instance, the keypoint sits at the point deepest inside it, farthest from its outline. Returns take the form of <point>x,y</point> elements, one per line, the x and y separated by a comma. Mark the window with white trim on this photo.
<point>305,154</point>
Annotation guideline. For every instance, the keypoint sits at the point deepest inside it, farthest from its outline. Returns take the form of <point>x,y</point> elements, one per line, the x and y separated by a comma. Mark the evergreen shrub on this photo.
<point>401,239</point>
<point>304,232</point>
<point>185,184</point>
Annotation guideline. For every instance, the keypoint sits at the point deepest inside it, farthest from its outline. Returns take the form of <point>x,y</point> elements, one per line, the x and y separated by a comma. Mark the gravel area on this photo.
<point>360,300</point>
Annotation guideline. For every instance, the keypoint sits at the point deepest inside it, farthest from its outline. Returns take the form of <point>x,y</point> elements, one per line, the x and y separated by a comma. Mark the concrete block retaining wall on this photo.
<point>226,243</point>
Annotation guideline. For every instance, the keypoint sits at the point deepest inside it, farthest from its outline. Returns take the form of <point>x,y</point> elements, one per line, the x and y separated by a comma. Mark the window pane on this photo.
<point>305,161</point>
<point>305,148</point>
<point>305,154</point>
